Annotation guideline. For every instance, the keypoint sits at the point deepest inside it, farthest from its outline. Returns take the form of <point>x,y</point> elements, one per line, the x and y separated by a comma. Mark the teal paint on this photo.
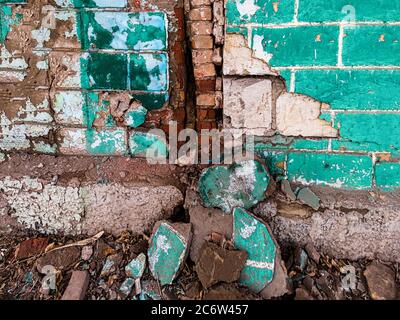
<point>7,20</point>
<point>136,267</point>
<point>153,101</point>
<point>254,237</point>
<point>335,170</point>
<point>243,184</point>
<point>106,142</point>
<point>166,253</point>
<point>147,145</point>
<point>387,175</point>
<point>136,117</point>
<point>149,72</point>
<point>313,46</point>
<point>127,286</point>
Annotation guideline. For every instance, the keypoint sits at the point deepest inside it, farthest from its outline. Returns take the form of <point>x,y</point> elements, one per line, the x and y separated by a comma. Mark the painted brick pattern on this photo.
<point>345,54</point>
<point>84,76</point>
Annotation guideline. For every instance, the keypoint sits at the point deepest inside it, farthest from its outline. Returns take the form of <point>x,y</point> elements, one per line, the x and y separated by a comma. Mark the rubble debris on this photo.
<point>111,264</point>
<point>127,286</point>
<point>31,247</point>
<point>219,265</point>
<point>87,252</point>
<point>136,267</point>
<point>77,286</point>
<point>381,281</point>
<point>226,291</point>
<point>312,252</point>
<point>280,284</point>
<point>303,294</point>
<point>192,291</point>
<point>309,198</point>
<point>150,291</point>
<point>254,237</point>
<point>300,258</point>
<point>168,249</point>
<point>349,281</point>
<point>61,259</point>
<point>287,190</point>
<point>242,184</point>
<point>206,221</point>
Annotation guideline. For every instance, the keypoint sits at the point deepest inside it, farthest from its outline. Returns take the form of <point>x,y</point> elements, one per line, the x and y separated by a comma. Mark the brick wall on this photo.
<point>89,77</point>
<point>339,123</point>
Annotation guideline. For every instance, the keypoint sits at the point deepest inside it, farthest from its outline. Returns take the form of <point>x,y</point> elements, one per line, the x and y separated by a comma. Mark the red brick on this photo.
<point>202,42</point>
<point>205,85</point>
<point>201,28</point>
<point>77,286</point>
<point>204,71</point>
<point>206,99</point>
<point>201,14</point>
<point>202,56</point>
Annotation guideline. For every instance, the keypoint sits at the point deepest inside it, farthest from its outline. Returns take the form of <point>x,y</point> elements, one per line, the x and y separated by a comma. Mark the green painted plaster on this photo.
<point>147,145</point>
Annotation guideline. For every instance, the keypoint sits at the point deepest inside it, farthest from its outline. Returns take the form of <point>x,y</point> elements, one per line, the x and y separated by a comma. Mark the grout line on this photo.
<point>340,45</point>
<point>293,81</point>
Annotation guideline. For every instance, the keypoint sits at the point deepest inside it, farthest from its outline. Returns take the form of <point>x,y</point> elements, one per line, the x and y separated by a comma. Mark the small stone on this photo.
<point>77,286</point>
<point>381,281</point>
<point>150,290</point>
<point>303,294</point>
<point>168,249</point>
<point>300,259</point>
<point>242,184</point>
<point>111,265</point>
<point>207,221</point>
<point>287,190</point>
<point>30,248</point>
<point>309,198</point>
<point>226,292</point>
<point>127,286</point>
<point>60,259</point>
<point>312,252</point>
<point>87,252</point>
<point>219,265</point>
<point>136,267</point>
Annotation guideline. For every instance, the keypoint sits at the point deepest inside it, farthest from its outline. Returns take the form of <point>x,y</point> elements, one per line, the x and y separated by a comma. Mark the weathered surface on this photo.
<point>381,281</point>
<point>254,237</point>
<point>77,286</point>
<point>309,198</point>
<point>136,267</point>
<point>73,209</point>
<point>217,264</point>
<point>205,221</point>
<point>60,259</point>
<point>241,185</point>
<point>168,249</point>
<point>31,247</point>
<point>352,226</point>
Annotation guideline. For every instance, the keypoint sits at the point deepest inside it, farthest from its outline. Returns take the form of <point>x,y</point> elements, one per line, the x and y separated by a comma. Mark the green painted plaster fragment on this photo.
<point>336,170</point>
<point>136,117</point>
<point>167,250</point>
<point>127,286</point>
<point>148,145</point>
<point>254,237</point>
<point>95,106</point>
<point>243,184</point>
<point>143,31</point>
<point>136,267</point>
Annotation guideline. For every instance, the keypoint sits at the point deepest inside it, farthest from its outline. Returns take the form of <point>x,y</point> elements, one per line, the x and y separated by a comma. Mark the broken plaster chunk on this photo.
<point>248,105</point>
<point>217,264</point>
<point>287,190</point>
<point>136,267</point>
<point>242,184</point>
<point>168,249</point>
<point>254,237</point>
<point>135,116</point>
<point>127,286</point>
<point>298,115</point>
<point>240,60</point>
<point>309,198</point>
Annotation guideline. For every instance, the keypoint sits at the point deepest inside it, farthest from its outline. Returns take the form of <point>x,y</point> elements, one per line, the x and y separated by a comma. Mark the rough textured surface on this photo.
<point>381,281</point>
<point>205,221</point>
<point>77,286</point>
<point>217,264</point>
<point>352,225</point>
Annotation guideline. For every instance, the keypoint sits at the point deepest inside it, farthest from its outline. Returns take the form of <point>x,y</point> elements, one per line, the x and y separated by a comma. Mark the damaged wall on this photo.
<point>318,83</point>
<point>89,77</point>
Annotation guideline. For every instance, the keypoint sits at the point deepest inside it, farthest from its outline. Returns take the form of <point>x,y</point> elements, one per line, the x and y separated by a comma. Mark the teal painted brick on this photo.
<point>352,90</point>
<point>363,147</point>
<point>298,46</point>
<point>371,45</point>
<point>365,10</point>
<point>341,171</point>
<point>105,71</point>
<point>149,72</point>
<point>309,144</point>
<point>383,130</point>
<point>143,31</point>
<point>259,11</point>
<point>387,176</point>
